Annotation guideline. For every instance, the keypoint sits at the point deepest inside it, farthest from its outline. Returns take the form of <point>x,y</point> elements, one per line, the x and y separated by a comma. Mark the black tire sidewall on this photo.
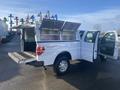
<point>100,59</point>
<point>56,65</point>
<point>97,60</point>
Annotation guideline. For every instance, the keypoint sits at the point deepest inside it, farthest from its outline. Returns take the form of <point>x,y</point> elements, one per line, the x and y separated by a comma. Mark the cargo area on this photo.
<point>27,40</point>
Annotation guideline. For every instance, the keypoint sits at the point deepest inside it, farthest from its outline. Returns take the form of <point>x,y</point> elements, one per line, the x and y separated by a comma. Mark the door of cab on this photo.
<point>109,45</point>
<point>89,46</point>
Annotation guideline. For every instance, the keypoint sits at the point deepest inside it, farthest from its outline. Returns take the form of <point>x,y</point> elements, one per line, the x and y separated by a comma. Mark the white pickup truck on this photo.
<point>58,42</point>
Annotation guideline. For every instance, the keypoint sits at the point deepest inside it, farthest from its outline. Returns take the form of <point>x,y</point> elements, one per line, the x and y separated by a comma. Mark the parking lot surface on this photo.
<point>82,76</point>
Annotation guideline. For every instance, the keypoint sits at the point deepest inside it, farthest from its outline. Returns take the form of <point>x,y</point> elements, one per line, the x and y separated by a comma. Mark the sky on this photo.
<point>90,13</point>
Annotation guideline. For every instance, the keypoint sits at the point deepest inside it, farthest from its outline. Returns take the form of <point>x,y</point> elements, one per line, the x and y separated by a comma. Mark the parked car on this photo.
<point>3,31</point>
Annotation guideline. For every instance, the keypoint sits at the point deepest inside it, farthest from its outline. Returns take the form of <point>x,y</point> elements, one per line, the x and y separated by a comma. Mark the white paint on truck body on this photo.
<point>53,49</point>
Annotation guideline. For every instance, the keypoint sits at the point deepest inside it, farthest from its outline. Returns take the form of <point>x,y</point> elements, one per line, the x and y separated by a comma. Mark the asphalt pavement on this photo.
<point>82,76</point>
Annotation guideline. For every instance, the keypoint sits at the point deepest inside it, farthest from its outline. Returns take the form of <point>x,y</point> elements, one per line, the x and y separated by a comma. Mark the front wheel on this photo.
<point>102,58</point>
<point>61,65</point>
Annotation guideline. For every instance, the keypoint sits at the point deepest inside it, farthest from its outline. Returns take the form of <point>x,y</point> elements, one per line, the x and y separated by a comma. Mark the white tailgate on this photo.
<point>22,57</point>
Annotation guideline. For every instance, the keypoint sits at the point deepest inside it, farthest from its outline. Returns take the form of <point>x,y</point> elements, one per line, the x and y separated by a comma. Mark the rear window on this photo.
<point>29,35</point>
<point>68,35</point>
<point>49,34</point>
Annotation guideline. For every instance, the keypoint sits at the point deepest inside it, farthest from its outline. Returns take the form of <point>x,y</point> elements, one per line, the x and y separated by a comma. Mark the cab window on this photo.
<point>107,44</point>
<point>108,38</point>
<point>90,37</point>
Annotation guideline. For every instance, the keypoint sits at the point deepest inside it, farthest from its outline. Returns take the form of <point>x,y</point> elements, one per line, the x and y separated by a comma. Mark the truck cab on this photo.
<point>93,45</point>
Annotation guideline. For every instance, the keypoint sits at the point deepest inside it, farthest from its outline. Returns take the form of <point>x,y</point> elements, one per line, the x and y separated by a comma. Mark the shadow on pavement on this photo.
<point>8,68</point>
<point>89,76</point>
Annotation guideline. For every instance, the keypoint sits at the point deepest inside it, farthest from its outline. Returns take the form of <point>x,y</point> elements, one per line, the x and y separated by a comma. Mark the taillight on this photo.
<point>39,50</point>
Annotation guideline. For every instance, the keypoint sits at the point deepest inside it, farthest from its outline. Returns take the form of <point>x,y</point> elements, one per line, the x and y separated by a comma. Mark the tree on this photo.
<point>5,19</point>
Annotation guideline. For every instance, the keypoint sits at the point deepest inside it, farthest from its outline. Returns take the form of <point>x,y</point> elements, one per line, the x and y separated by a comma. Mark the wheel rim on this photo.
<point>63,66</point>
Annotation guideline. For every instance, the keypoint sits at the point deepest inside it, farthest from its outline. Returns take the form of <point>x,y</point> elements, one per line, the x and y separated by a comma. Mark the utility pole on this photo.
<point>16,19</point>
<point>11,22</point>
<point>56,17</point>
<point>33,19</point>
<point>48,14</point>
<point>27,19</point>
<point>40,16</point>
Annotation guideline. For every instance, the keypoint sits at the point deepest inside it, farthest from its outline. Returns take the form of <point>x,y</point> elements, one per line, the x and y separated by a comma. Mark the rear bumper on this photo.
<point>36,63</point>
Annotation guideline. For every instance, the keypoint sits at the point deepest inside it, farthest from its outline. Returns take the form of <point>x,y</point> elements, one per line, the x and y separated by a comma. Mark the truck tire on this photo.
<point>61,65</point>
<point>100,59</point>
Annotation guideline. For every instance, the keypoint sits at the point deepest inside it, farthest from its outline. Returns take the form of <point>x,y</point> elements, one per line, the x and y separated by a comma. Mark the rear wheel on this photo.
<point>61,65</point>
